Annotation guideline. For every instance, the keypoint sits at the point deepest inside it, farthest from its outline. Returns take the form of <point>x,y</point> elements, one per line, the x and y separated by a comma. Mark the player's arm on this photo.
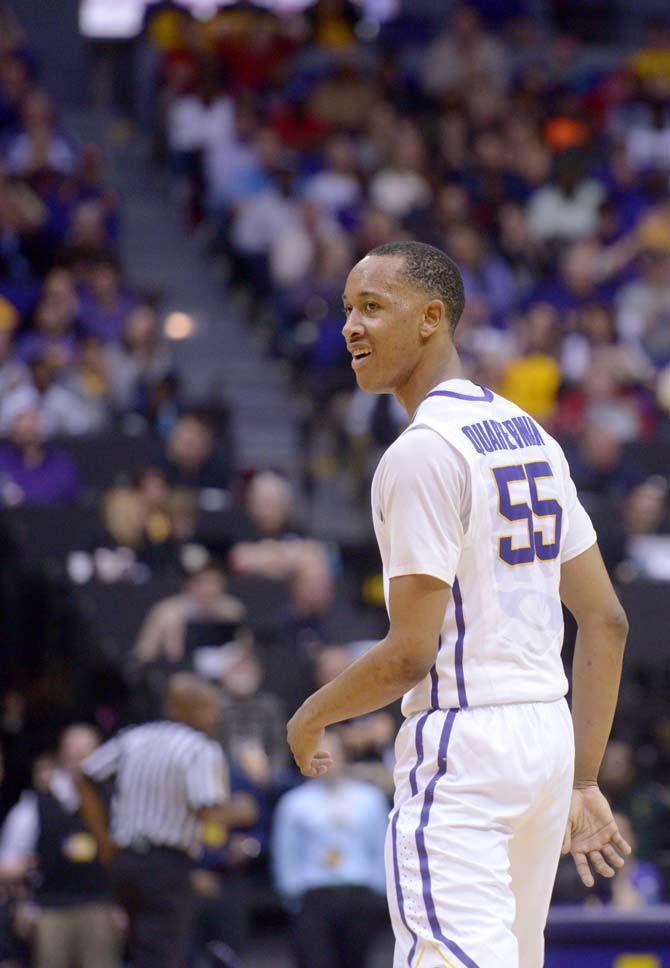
<point>417,604</point>
<point>602,628</point>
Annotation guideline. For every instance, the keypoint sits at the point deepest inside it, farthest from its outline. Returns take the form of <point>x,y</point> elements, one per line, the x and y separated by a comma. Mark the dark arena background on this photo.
<point>185,461</point>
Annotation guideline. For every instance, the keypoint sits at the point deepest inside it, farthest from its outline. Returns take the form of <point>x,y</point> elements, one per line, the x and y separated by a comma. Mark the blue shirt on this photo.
<point>329,834</point>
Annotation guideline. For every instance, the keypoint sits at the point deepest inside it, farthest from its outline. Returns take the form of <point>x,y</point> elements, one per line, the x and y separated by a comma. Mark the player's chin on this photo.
<point>368,379</point>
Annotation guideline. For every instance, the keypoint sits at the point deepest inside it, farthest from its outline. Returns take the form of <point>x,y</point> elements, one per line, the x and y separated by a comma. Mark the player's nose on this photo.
<point>352,326</point>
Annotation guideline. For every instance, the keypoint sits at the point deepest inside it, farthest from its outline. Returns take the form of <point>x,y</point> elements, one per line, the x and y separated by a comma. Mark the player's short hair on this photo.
<point>431,270</point>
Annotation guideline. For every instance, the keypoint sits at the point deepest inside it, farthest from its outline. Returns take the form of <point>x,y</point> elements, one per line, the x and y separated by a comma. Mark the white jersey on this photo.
<point>476,494</point>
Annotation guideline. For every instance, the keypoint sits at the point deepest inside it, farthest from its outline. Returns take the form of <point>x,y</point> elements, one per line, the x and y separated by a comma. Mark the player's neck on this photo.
<point>427,375</point>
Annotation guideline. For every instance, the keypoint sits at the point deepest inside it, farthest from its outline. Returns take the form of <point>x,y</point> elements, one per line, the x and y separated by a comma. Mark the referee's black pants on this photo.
<point>336,927</point>
<point>154,887</point>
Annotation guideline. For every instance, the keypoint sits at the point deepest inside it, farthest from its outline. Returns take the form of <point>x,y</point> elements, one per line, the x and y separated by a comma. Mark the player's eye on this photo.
<point>346,310</point>
<point>371,306</point>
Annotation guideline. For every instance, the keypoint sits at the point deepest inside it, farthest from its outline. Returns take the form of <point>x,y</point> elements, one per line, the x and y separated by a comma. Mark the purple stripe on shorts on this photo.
<point>434,687</point>
<point>398,888</point>
<point>418,739</point>
<point>458,650</point>
<point>419,753</point>
<point>486,397</point>
<point>421,844</point>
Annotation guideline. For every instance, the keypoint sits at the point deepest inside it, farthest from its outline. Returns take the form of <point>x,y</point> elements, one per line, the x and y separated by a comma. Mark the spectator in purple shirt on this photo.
<point>32,472</point>
<point>105,307</point>
<point>54,335</point>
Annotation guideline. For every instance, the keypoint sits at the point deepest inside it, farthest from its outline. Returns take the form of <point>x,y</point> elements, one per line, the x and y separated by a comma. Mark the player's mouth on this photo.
<point>360,357</point>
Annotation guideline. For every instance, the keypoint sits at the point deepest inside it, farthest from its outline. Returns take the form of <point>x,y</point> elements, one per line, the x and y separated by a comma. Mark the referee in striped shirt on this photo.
<point>170,777</point>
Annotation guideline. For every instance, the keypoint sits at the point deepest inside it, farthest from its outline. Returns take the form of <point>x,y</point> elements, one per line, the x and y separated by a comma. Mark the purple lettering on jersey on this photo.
<point>495,443</point>
<point>420,838</point>
<point>469,433</point>
<point>527,436</point>
<point>500,434</point>
<point>500,430</point>
<point>535,431</point>
<point>481,436</point>
<point>509,425</point>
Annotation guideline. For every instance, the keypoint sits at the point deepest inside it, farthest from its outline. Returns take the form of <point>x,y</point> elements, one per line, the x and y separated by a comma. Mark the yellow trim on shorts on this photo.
<point>443,956</point>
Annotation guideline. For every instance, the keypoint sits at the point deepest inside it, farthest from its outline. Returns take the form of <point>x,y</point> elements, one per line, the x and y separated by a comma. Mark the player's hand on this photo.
<point>305,738</point>
<point>592,836</point>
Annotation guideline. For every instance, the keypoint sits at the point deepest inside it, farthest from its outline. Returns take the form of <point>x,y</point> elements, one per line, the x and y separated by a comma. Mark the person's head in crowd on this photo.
<point>600,447</point>
<point>44,369</point>
<point>465,24</point>
<point>88,229</point>
<point>596,322</point>
<point>37,112</point>
<point>618,772</point>
<point>26,430</point>
<point>152,488</point>
<point>646,506</point>
<point>242,677</point>
<point>15,79</point>
<point>655,266</point>
<point>206,586</point>
<point>104,280</point>
<point>539,329</point>
<point>191,443</point>
<point>192,701</point>
<point>141,329</point>
<point>329,662</point>
<point>580,266</point>
<point>408,148</point>
<point>42,771</point>
<point>76,743</point>
<point>123,516</point>
<point>376,228</point>
<point>340,155</point>
<point>569,172</point>
<point>452,203</point>
<point>270,503</point>
<point>466,245</point>
<point>333,259</point>
<point>312,587</point>
<point>56,312</point>
<point>489,151</point>
<point>93,366</point>
<point>534,164</point>
<point>182,507</point>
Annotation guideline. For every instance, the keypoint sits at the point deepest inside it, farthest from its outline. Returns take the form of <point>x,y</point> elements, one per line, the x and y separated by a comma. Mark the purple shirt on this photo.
<point>53,481</point>
<point>107,324</point>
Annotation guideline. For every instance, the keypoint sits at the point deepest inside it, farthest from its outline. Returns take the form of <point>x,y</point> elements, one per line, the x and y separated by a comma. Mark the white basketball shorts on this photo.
<point>474,839</point>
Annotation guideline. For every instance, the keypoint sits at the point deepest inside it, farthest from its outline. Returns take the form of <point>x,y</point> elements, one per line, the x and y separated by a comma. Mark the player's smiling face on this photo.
<point>383,317</point>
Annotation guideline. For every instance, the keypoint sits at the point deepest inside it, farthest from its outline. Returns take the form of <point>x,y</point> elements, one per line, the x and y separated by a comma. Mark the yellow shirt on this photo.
<point>532,383</point>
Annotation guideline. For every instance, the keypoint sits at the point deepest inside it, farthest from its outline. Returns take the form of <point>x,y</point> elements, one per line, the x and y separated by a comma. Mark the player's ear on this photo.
<point>433,318</point>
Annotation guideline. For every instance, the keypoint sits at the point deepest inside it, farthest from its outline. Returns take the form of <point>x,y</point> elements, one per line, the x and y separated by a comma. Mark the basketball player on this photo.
<point>481,536</point>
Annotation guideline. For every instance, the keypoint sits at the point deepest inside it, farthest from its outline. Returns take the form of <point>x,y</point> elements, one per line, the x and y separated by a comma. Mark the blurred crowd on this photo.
<point>302,142</point>
<point>295,144</point>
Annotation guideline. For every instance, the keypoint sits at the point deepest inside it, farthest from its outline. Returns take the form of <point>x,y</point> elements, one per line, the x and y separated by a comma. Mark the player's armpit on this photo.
<point>417,605</point>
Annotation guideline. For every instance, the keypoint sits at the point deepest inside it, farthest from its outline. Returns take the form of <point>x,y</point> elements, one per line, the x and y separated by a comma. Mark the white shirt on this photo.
<point>475,494</point>
<point>165,773</point>
<point>21,829</point>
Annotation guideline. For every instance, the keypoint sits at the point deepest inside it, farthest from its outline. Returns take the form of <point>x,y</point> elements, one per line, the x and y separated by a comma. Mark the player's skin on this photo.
<point>411,351</point>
